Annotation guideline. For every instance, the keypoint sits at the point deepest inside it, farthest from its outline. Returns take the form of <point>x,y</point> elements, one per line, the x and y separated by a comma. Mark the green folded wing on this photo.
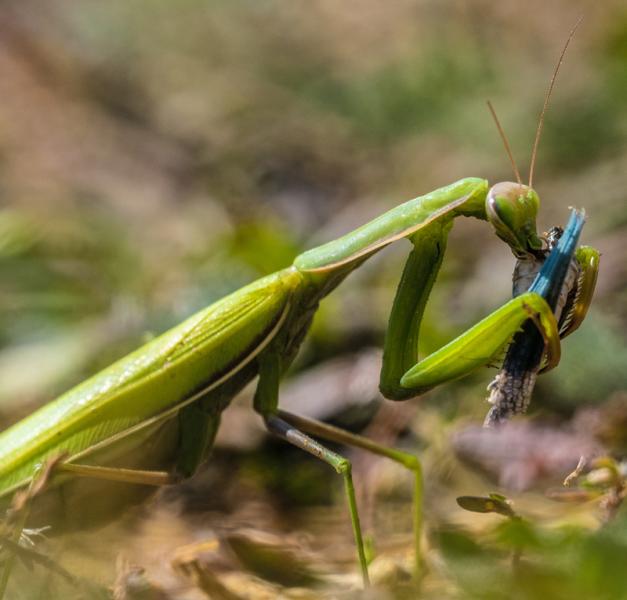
<point>151,380</point>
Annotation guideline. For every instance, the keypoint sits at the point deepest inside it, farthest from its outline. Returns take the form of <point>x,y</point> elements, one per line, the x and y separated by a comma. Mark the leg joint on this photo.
<point>343,466</point>
<point>412,462</point>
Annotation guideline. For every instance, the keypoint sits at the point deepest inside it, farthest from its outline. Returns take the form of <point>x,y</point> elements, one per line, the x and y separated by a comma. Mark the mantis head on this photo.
<point>512,209</point>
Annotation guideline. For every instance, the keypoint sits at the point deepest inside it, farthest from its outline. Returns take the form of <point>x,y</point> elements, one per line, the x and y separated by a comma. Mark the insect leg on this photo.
<point>400,351</point>
<point>266,401</point>
<point>588,259</point>
<point>480,344</point>
<point>407,460</point>
<point>135,476</point>
<point>17,516</point>
<point>342,465</point>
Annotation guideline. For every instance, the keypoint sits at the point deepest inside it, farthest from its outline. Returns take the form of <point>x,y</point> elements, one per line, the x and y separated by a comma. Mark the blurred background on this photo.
<point>155,156</point>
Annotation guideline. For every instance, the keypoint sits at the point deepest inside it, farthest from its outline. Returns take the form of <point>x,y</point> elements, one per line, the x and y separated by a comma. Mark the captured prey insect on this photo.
<point>151,417</point>
<point>569,295</point>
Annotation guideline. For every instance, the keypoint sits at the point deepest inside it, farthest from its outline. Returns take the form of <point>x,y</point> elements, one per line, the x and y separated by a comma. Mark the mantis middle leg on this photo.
<point>266,404</point>
<point>405,459</point>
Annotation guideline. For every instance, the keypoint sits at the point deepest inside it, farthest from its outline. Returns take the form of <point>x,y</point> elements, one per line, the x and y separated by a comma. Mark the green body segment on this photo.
<point>195,368</point>
<point>400,351</point>
<point>464,197</point>
<point>150,381</point>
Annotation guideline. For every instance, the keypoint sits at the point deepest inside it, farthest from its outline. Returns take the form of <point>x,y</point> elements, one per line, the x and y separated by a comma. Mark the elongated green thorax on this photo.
<point>464,197</point>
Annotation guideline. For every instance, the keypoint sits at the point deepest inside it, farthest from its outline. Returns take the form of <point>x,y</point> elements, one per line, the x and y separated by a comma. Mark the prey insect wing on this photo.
<point>550,279</point>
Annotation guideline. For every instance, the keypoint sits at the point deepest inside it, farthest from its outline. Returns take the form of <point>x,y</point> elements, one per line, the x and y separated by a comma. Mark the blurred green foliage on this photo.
<point>567,562</point>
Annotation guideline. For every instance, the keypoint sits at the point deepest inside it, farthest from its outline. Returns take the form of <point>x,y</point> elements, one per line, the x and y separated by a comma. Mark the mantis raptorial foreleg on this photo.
<point>588,259</point>
<point>403,375</point>
<point>480,344</point>
<point>400,351</point>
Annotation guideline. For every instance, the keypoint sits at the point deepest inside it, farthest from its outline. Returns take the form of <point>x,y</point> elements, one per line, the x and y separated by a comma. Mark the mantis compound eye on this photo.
<point>512,208</point>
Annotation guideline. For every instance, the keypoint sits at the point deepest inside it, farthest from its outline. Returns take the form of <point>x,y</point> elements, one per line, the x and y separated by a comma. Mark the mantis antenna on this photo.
<point>505,142</point>
<point>534,152</point>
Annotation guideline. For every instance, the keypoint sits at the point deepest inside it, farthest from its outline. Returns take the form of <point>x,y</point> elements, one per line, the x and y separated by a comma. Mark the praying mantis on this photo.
<point>151,417</point>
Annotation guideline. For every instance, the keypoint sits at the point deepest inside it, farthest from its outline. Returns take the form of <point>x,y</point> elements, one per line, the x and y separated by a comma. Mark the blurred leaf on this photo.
<point>272,560</point>
<point>495,503</point>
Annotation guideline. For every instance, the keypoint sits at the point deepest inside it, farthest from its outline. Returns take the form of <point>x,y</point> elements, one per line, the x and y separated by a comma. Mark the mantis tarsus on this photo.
<point>151,417</point>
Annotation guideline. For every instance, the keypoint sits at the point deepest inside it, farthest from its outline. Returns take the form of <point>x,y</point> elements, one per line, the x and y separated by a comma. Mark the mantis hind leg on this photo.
<point>407,460</point>
<point>14,529</point>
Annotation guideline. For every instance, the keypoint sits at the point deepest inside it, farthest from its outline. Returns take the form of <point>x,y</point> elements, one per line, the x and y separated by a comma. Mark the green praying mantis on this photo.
<point>151,418</point>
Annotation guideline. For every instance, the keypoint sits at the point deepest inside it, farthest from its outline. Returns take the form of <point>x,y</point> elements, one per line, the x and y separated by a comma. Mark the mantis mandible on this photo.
<point>151,417</point>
